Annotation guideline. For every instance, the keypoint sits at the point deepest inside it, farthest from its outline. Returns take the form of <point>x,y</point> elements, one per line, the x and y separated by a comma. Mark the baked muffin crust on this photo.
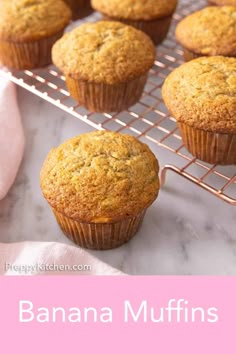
<point>211,31</point>
<point>100,177</point>
<point>28,20</point>
<point>202,94</point>
<point>104,52</point>
<point>135,10</point>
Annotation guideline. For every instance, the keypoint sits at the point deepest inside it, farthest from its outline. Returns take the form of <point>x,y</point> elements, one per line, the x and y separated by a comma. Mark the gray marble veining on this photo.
<point>186,231</point>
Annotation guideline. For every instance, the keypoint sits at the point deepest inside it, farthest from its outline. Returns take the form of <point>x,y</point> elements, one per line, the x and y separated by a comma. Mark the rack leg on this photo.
<point>190,178</point>
<point>163,176</point>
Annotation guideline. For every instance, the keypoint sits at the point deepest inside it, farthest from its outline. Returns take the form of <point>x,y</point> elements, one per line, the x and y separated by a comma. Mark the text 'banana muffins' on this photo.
<point>201,95</point>
<point>28,29</point>
<point>151,16</point>
<point>79,8</point>
<point>211,31</point>
<point>99,186</point>
<point>105,63</point>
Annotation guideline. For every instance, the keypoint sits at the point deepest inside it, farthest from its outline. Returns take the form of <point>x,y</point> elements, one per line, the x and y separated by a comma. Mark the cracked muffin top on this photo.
<point>28,20</point>
<point>224,2</point>
<point>211,31</point>
<point>104,52</point>
<point>202,94</point>
<point>100,177</point>
<point>135,9</point>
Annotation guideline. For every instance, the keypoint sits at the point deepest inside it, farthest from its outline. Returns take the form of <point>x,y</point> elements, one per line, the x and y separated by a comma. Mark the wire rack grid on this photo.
<point>148,119</point>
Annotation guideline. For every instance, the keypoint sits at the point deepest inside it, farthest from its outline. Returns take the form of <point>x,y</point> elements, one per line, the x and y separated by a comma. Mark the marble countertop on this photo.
<point>186,231</point>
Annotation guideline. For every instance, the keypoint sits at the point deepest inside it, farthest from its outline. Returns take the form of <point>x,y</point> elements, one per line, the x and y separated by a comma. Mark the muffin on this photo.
<point>99,186</point>
<point>105,63</point>
<point>151,16</point>
<point>28,30</point>
<point>79,8</point>
<point>208,32</point>
<point>201,95</point>
<point>222,2</point>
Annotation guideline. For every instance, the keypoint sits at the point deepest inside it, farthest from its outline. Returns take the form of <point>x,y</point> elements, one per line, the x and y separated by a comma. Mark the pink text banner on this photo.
<point>117,315</point>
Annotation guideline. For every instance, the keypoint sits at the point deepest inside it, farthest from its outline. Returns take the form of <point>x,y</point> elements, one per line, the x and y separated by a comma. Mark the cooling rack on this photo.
<point>148,119</point>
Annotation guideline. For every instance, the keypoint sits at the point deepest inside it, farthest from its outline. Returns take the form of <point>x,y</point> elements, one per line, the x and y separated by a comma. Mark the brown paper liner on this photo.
<point>98,97</point>
<point>156,29</point>
<point>99,236</point>
<point>80,8</point>
<point>189,55</point>
<point>27,55</point>
<point>214,148</point>
<point>212,3</point>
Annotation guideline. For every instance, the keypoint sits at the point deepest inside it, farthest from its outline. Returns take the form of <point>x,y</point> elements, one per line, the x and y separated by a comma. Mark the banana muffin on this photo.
<point>151,16</point>
<point>211,31</point>
<point>28,30</point>
<point>201,95</point>
<point>222,2</point>
<point>105,63</point>
<point>99,186</point>
<point>79,8</point>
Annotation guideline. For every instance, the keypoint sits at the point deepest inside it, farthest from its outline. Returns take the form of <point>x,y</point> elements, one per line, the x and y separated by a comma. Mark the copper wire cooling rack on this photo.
<point>148,119</point>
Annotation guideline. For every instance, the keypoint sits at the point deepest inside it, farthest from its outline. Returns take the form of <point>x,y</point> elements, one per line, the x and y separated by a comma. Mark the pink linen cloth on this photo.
<point>12,139</point>
<point>50,258</point>
<point>32,258</point>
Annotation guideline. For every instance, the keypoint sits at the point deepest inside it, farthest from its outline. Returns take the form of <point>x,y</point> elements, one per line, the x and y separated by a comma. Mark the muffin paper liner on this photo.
<point>212,3</point>
<point>214,148</point>
<point>156,29</point>
<point>80,8</point>
<point>27,55</point>
<point>99,236</point>
<point>106,98</point>
<point>189,55</point>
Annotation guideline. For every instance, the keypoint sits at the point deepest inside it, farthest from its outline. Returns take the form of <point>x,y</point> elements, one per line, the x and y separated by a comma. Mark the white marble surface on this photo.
<point>187,230</point>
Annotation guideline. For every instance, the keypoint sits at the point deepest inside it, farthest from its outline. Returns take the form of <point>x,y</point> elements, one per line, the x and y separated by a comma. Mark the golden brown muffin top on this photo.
<point>104,52</point>
<point>211,31</point>
<point>100,177</point>
<point>224,2</point>
<point>28,20</point>
<point>135,9</point>
<point>202,94</point>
